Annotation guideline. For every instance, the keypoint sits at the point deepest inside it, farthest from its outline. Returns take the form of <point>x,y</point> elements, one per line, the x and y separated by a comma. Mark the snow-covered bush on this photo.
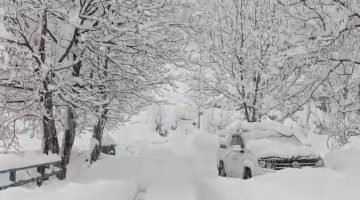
<point>346,159</point>
<point>339,128</point>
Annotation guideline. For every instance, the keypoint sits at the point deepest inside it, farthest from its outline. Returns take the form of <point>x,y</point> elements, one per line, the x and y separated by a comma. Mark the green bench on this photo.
<point>55,168</point>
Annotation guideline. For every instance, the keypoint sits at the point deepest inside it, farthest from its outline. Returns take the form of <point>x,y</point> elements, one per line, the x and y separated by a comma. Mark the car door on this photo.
<point>234,158</point>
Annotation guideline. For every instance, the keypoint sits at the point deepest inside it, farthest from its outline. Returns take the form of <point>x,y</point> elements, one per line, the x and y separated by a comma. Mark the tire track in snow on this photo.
<point>172,180</point>
<point>140,193</point>
<point>181,170</point>
<point>204,172</point>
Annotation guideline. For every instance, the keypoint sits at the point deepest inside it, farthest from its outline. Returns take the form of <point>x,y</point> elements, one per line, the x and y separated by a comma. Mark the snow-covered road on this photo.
<point>183,167</point>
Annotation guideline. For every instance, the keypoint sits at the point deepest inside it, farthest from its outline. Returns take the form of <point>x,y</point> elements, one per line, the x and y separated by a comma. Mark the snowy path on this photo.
<point>176,173</point>
<point>174,180</point>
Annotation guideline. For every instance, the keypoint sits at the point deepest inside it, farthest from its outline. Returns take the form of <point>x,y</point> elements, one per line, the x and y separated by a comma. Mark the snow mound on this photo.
<point>109,190</point>
<point>346,160</point>
<point>107,140</point>
<point>294,184</point>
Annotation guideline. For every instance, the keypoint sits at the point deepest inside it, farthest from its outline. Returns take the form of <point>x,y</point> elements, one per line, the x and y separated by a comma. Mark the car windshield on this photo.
<point>288,140</point>
<point>273,136</point>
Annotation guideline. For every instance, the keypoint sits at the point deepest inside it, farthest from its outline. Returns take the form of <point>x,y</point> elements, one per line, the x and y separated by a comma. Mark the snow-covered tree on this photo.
<point>328,32</point>
<point>242,39</point>
<point>134,53</point>
<point>266,57</point>
<point>103,59</point>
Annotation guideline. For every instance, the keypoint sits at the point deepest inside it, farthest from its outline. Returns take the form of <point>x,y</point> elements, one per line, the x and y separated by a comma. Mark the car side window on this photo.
<point>237,140</point>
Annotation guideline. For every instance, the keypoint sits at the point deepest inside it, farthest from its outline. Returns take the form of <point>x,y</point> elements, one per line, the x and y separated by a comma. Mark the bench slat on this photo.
<point>39,178</point>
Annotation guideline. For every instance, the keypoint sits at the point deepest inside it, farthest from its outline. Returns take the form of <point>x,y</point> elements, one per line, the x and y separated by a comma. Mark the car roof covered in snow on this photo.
<point>264,129</point>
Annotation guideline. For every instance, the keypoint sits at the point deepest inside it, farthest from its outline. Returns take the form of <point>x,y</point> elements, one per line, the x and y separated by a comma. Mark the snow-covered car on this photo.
<point>258,148</point>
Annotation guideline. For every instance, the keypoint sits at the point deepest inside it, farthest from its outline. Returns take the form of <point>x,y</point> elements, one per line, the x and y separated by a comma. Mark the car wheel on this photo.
<point>247,173</point>
<point>221,169</point>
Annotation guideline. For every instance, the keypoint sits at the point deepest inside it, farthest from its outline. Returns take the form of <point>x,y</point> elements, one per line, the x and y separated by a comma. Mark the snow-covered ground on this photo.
<point>183,167</point>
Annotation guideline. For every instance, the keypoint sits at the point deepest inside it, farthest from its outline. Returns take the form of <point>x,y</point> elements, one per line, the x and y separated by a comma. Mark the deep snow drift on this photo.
<point>183,167</point>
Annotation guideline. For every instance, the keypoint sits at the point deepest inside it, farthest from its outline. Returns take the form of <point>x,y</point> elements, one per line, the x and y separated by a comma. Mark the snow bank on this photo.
<point>9,161</point>
<point>294,184</point>
<point>107,140</point>
<point>346,160</point>
<point>319,143</point>
<point>109,190</point>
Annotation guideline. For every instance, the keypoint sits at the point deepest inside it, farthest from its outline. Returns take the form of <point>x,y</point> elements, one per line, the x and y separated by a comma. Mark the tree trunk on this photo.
<point>50,136</point>
<point>50,140</point>
<point>49,130</point>
<point>246,112</point>
<point>70,133</point>
<point>69,136</point>
<point>99,127</point>
<point>199,116</point>
<point>257,81</point>
<point>97,135</point>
